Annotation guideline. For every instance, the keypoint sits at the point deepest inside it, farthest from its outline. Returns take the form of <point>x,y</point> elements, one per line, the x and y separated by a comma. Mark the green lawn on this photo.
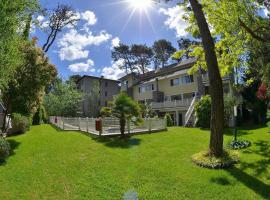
<point>51,164</point>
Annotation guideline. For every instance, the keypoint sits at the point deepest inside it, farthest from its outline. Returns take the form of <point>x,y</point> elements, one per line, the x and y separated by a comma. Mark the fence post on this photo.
<point>150,125</point>
<point>101,127</point>
<point>79,123</point>
<point>128,126</point>
<point>63,123</point>
<point>87,124</point>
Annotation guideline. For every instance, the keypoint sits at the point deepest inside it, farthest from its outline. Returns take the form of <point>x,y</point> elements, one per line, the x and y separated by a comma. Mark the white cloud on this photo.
<point>72,45</point>
<point>114,72</point>
<point>43,22</point>
<point>90,17</point>
<point>72,53</point>
<point>115,42</point>
<point>82,67</point>
<point>175,20</point>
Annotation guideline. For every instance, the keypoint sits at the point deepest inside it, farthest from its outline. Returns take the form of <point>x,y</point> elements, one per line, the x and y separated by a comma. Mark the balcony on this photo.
<point>171,104</point>
<point>205,78</point>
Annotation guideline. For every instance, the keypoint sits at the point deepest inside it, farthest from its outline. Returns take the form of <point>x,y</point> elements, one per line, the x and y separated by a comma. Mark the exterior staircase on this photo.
<point>190,117</point>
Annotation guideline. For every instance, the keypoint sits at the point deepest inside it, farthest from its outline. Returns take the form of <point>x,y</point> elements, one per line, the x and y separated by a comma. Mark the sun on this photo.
<point>140,4</point>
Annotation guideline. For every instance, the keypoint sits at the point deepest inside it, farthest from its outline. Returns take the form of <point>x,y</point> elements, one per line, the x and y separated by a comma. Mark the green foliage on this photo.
<point>204,159</point>
<point>26,90</point>
<point>20,124</point>
<point>162,50</point>
<point>4,149</point>
<point>125,109</point>
<point>203,112</point>
<point>169,120</point>
<point>40,116</point>
<point>63,100</point>
<point>13,17</point>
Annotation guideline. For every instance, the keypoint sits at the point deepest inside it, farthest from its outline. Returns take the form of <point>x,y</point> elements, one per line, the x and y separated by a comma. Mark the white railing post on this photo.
<point>79,122</point>
<point>87,130</point>
<point>101,128</point>
<point>128,126</point>
<point>63,124</point>
<point>149,125</point>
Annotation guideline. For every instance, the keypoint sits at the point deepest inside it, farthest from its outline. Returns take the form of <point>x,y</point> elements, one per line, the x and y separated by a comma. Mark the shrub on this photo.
<point>20,124</point>
<point>204,159</point>
<point>4,148</point>
<point>169,120</point>
<point>203,112</point>
<point>37,118</point>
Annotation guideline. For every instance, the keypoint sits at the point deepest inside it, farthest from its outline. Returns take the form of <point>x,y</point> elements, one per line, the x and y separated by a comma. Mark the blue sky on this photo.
<point>86,48</point>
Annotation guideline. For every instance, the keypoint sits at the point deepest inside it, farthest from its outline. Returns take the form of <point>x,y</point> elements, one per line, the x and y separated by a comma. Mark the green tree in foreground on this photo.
<point>125,109</point>
<point>13,15</point>
<point>63,99</point>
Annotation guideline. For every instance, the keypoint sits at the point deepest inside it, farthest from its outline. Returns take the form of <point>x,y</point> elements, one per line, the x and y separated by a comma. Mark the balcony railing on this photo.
<point>171,104</point>
<point>205,78</point>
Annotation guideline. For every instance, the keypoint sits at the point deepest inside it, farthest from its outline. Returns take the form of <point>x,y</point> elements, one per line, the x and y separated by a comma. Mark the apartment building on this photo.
<point>98,92</point>
<point>171,90</point>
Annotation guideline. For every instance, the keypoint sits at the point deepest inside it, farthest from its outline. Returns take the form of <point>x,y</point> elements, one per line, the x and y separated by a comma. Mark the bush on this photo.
<point>204,159</point>
<point>203,112</point>
<point>169,120</point>
<point>4,148</point>
<point>37,118</point>
<point>40,116</point>
<point>20,124</point>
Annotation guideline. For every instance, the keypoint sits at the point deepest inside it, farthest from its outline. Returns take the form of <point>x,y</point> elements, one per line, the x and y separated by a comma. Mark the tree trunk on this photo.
<point>122,126</point>
<point>216,87</point>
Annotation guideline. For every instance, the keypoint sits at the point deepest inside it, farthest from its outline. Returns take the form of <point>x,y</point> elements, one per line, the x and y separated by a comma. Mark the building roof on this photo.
<point>170,69</point>
<point>95,77</point>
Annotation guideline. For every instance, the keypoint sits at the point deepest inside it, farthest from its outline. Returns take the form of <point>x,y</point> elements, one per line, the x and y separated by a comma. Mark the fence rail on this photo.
<point>109,126</point>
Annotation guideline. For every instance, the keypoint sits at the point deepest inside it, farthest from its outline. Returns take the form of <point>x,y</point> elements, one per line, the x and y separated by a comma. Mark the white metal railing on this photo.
<point>205,77</point>
<point>109,126</point>
<point>171,104</point>
<point>190,110</point>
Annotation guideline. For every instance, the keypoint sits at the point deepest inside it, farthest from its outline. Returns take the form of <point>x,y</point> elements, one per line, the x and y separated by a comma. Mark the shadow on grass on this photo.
<point>117,142</point>
<point>221,181</point>
<point>13,145</point>
<point>240,132</point>
<point>260,168</point>
<point>251,182</point>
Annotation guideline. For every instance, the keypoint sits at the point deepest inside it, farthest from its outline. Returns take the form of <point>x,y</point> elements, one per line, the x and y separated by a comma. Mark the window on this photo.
<point>106,103</point>
<point>146,88</point>
<point>176,97</point>
<point>106,84</point>
<point>106,93</point>
<point>175,82</point>
<point>125,82</point>
<point>187,79</point>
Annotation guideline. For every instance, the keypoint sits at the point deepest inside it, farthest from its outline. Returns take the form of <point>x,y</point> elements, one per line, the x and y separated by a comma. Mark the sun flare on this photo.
<point>140,4</point>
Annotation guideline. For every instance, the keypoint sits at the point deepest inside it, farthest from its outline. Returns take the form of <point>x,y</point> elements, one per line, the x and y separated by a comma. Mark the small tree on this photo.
<point>125,109</point>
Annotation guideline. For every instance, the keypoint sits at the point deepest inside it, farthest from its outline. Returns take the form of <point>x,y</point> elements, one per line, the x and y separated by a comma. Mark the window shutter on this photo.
<point>139,89</point>
<point>153,87</point>
<point>171,82</point>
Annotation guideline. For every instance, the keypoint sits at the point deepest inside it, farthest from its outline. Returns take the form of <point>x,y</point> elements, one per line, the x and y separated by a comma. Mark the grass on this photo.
<point>51,164</point>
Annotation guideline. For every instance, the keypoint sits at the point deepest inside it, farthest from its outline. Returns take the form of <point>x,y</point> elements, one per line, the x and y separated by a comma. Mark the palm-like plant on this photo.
<point>125,109</point>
